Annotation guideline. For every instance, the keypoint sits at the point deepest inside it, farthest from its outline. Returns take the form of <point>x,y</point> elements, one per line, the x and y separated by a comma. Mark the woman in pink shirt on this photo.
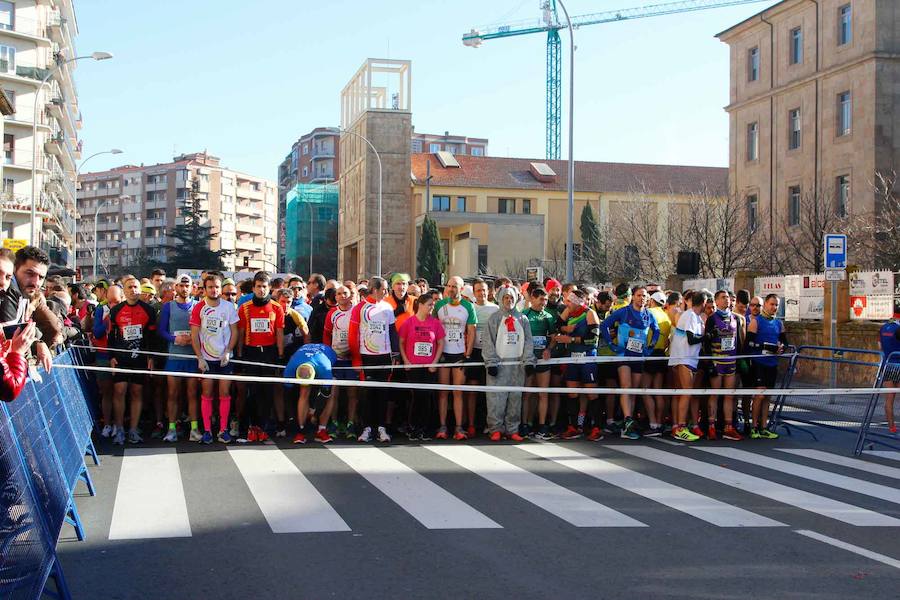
<point>421,343</point>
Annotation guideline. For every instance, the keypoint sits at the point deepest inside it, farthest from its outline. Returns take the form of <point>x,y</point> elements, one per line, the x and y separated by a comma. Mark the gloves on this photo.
<point>529,370</point>
<point>226,357</point>
<point>202,365</point>
<point>493,371</point>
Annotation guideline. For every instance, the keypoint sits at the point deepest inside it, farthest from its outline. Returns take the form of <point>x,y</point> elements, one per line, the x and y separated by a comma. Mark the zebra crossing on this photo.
<point>312,490</point>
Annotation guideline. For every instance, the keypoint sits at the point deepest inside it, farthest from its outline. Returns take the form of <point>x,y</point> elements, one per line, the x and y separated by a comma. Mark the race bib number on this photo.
<point>260,325</point>
<point>132,333</point>
<point>578,354</point>
<point>213,325</point>
<point>177,333</point>
<point>422,348</point>
<point>376,327</point>
<point>341,337</point>
<point>511,338</point>
<point>479,335</point>
<point>728,343</point>
<point>634,345</point>
<point>769,348</point>
<point>540,342</point>
<point>454,333</point>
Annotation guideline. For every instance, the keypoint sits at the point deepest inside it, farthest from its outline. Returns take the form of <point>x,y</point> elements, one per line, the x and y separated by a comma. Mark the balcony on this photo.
<point>23,28</point>
<point>249,227</point>
<point>245,191</point>
<point>324,152</point>
<point>247,209</point>
<point>246,244</point>
<point>161,222</point>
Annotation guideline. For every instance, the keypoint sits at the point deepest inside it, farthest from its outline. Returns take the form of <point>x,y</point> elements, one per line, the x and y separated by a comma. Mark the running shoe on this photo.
<point>300,438</point>
<point>654,431</point>
<point>412,434</point>
<point>517,438</point>
<point>545,433</point>
<point>460,435</point>
<point>893,429</point>
<point>422,435</point>
<point>365,436</point>
<point>711,433</point>
<point>261,435</point>
<point>107,431</point>
<point>341,428</point>
<point>732,434</point>
<point>754,434</point>
<point>171,436</point>
<point>158,431</point>
<point>595,435</point>
<point>613,428</point>
<point>496,436</point>
<point>195,436</point>
<point>768,434</point>
<point>224,437</point>
<point>629,432</point>
<point>471,433</point>
<point>280,433</point>
<point>253,433</point>
<point>323,437</point>
<point>695,429</point>
<point>684,434</point>
<point>235,428</point>
<point>383,435</point>
<point>134,437</point>
<point>524,429</point>
<point>350,433</point>
<point>441,433</point>
<point>571,433</point>
<point>207,438</point>
<point>119,437</point>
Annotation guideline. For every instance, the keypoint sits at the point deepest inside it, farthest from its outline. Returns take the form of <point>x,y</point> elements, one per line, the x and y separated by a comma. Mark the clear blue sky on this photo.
<point>245,79</point>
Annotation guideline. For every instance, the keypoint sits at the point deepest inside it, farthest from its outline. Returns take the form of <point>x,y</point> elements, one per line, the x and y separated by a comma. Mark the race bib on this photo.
<point>376,327</point>
<point>259,325</point>
<point>578,354</point>
<point>728,343</point>
<point>454,333</point>
<point>511,338</point>
<point>341,337</point>
<point>422,348</point>
<point>479,335</point>
<point>177,333</point>
<point>540,341</point>
<point>132,333</point>
<point>634,345</point>
<point>213,325</point>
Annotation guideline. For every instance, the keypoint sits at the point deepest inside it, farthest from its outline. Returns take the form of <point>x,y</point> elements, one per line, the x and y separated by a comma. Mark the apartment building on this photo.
<point>814,107</point>
<point>137,206</point>
<point>36,38</point>
<point>454,144</point>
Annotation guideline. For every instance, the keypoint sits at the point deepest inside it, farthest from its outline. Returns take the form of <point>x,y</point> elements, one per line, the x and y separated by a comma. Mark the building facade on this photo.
<point>454,144</point>
<point>36,37</point>
<point>814,109</point>
<point>136,206</point>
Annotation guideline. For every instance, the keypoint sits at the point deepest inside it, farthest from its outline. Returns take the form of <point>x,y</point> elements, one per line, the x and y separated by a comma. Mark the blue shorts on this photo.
<point>581,372</point>
<point>181,365</point>
<point>344,374</point>
<point>215,368</point>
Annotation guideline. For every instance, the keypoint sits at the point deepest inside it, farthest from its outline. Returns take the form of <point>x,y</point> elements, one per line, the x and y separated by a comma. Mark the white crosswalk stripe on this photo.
<point>845,461</point>
<point>890,454</point>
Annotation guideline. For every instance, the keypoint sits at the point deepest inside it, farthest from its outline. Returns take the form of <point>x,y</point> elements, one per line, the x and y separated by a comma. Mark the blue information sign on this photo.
<point>835,251</point>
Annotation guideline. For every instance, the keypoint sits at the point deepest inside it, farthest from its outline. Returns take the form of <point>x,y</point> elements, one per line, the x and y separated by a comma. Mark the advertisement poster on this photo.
<point>763,286</point>
<point>812,297</point>
<point>872,295</point>
<point>792,298</point>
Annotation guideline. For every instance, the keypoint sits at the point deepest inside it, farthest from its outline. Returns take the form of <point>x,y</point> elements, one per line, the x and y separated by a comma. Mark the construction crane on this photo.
<point>551,24</point>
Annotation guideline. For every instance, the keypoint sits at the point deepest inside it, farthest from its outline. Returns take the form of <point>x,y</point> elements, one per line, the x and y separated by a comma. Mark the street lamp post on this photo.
<point>77,174</point>
<point>34,153</point>
<point>570,219</point>
<point>378,158</point>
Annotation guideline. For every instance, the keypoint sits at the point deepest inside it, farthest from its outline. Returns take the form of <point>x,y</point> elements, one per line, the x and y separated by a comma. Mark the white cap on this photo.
<point>658,297</point>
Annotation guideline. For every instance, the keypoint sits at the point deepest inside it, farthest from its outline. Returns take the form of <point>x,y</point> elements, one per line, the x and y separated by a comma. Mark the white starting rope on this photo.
<point>500,388</point>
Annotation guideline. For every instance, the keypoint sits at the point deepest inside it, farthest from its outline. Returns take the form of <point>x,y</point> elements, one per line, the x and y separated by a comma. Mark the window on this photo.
<point>9,148</point>
<point>794,205</point>
<point>434,147</point>
<point>451,148</point>
<point>842,196</point>
<point>11,94</point>
<point>845,25</point>
<point>305,171</point>
<point>7,15</point>
<point>753,141</point>
<point>753,212</point>
<point>506,206</point>
<point>8,185</point>
<point>753,64</point>
<point>8,59</point>
<point>796,46</point>
<point>794,129</point>
<point>440,203</point>
<point>460,204</point>
<point>482,260</point>
<point>445,247</point>
<point>576,252</point>
<point>477,151</point>
<point>843,113</point>
<point>462,236</point>
<point>416,146</point>
<point>526,206</point>
<point>305,149</point>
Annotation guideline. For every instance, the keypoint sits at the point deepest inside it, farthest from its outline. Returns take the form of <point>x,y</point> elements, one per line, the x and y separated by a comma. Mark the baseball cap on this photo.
<point>184,279</point>
<point>658,297</point>
<point>148,288</point>
<point>552,284</point>
<point>102,283</point>
<point>228,281</point>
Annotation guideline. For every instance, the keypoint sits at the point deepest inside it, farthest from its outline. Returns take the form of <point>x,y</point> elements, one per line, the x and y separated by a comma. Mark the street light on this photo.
<point>96,216</point>
<point>378,157</point>
<point>34,153</point>
<point>570,223</point>
<point>77,174</point>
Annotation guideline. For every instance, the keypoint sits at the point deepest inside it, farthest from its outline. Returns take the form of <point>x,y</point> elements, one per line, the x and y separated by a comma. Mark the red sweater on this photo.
<point>13,374</point>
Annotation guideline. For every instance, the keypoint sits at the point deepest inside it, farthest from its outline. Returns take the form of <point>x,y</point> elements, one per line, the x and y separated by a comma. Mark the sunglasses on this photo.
<point>230,294</point>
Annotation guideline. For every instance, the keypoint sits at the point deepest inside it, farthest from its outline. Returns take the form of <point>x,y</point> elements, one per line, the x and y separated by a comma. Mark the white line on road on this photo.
<point>430,504</point>
<point>149,497</point>
<point>890,454</point>
<point>843,482</point>
<point>845,461</point>
<point>887,560</point>
<point>555,499</point>
<point>827,507</point>
<point>287,499</point>
<point>704,508</point>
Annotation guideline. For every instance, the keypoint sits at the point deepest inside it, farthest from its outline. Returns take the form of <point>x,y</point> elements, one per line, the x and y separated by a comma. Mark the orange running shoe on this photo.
<point>732,434</point>
<point>496,436</point>
<point>516,437</point>
<point>571,433</point>
<point>441,434</point>
<point>595,435</point>
<point>711,435</point>
<point>471,432</point>
<point>460,435</point>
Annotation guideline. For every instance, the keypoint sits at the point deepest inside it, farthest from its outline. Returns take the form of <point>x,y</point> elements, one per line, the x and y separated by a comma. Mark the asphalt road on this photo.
<point>613,519</point>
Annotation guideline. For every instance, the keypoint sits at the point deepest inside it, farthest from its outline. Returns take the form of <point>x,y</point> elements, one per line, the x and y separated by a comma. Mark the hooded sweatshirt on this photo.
<point>508,334</point>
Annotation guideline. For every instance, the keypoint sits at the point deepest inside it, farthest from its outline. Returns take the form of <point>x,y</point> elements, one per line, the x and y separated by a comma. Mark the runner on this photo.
<point>421,343</point>
<point>402,303</point>
<point>175,328</point>
<point>373,342</point>
<point>580,334</point>
<point>722,333</point>
<point>336,334</point>
<point>312,361</point>
<point>131,324</point>
<point>632,323</point>
<point>543,332</point>
<point>655,370</point>
<point>684,356</point>
<point>457,315</point>
<point>889,339</point>
<point>765,336</point>
<point>476,374</point>
<point>99,338</point>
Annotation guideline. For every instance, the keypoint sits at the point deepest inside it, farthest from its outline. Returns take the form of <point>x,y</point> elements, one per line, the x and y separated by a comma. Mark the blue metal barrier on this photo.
<point>889,370</point>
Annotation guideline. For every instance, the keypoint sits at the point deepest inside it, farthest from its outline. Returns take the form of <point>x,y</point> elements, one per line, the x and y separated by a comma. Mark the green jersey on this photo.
<point>543,325</point>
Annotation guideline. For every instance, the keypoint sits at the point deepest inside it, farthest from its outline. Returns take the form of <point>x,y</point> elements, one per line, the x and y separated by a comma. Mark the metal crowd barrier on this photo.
<point>45,434</point>
<point>813,365</point>
<point>889,371</point>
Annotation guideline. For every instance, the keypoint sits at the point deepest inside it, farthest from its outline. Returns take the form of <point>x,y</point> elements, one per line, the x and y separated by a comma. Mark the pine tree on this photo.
<point>195,248</point>
<point>592,249</point>
<point>430,261</point>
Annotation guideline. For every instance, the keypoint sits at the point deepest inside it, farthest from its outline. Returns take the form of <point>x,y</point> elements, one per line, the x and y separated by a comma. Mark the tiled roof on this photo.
<point>514,173</point>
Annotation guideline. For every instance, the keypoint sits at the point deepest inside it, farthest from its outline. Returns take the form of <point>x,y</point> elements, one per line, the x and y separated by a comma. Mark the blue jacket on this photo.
<point>631,324</point>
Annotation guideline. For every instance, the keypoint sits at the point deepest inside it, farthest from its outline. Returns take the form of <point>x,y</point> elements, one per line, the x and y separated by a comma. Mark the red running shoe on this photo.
<point>731,433</point>
<point>261,435</point>
<point>460,435</point>
<point>322,436</point>
<point>441,434</point>
<point>516,438</point>
<point>471,432</point>
<point>695,429</point>
<point>571,433</point>
<point>495,436</point>
<point>299,439</point>
<point>711,435</point>
<point>595,435</point>
<point>251,434</point>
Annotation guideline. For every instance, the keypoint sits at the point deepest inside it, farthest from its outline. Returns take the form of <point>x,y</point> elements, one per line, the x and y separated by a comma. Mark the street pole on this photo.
<point>96,216</point>
<point>77,175</point>
<point>833,339</point>
<point>378,158</point>
<point>570,222</point>
<point>34,146</point>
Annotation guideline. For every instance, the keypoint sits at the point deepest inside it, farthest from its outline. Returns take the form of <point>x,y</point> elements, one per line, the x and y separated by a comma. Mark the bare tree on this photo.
<point>875,235</point>
<point>725,235</point>
<point>809,216</point>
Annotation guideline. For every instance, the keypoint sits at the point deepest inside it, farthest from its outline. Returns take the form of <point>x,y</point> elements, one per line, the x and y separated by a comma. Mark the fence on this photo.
<point>45,435</point>
<point>890,371</point>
